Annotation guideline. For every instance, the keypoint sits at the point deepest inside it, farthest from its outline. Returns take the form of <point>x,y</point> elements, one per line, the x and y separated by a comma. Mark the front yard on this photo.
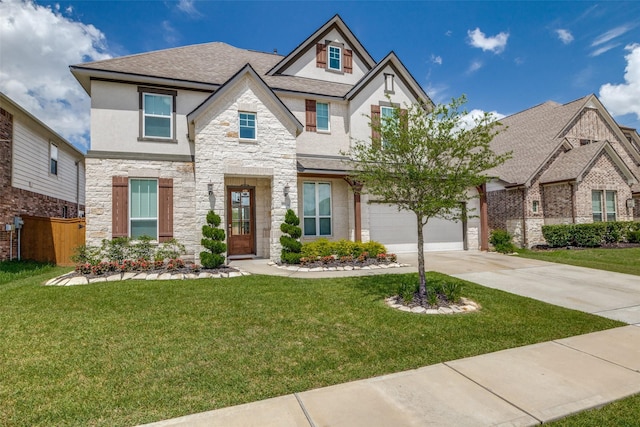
<point>132,352</point>
<point>619,260</point>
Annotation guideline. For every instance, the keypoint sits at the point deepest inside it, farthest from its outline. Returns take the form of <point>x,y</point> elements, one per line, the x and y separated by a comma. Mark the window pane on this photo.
<point>54,167</point>
<point>144,198</point>
<point>596,205</point>
<point>157,105</point>
<point>334,58</point>
<point>157,126</point>
<point>325,226</point>
<point>611,205</point>
<point>322,116</point>
<point>144,227</point>
<point>247,126</point>
<point>309,199</point>
<point>309,226</point>
<point>324,202</point>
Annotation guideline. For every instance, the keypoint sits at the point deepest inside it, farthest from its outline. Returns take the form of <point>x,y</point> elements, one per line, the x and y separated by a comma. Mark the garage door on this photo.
<point>399,233</point>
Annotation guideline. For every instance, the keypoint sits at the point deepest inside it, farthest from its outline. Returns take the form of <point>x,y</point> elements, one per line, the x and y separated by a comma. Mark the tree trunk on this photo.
<point>422,292</point>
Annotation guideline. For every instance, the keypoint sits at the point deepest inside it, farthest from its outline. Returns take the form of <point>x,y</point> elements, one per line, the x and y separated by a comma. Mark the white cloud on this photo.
<point>469,120</point>
<point>611,34</point>
<point>495,44</point>
<point>474,66</point>
<point>437,92</point>
<point>189,8</point>
<point>170,35</point>
<point>604,49</point>
<point>565,36</point>
<point>38,45</point>
<point>624,98</point>
<point>436,59</point>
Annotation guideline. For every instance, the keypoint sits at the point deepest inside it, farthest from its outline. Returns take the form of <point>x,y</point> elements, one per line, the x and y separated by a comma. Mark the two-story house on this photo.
<point>42,174</point>
<point>177,132</point>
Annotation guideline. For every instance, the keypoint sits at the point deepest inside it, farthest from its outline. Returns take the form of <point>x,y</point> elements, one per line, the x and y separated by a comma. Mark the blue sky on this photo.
<point>505,56</point>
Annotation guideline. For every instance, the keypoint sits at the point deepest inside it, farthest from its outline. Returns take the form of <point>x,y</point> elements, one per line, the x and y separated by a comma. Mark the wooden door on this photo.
<point>241,221</point>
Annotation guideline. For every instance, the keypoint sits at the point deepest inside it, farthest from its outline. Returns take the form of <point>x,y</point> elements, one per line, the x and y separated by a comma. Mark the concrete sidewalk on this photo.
<point>517,387</point>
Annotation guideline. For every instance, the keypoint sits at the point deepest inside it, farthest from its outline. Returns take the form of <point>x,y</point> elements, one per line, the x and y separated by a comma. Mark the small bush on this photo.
<point>589,235</point>
<point>213,242</point>
<point>142,248</point>
<point>558,236</point>
<point>374,248</point>
<point>342,248</point>
<point>406,290</point>
<point>501,241</point>
<point>290,242</point>
<point>86,254</point>
<point>633,236</point>
<point>116,249</point>
<point>170,249</point>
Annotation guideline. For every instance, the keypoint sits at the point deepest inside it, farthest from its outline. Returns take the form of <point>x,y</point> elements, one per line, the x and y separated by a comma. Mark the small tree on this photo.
<point>291,245</point>
<point>214,241</point>
<point>424,160</point>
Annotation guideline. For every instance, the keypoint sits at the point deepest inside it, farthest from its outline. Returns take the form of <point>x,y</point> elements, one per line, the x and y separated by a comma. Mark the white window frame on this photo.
<point>339,49</point>
<point>255,125</point>
<point>317,215</point>
<point>53,157</point>
<point>328,129</point>
<point>130,207</point>
<point>604,213</point>
<point>145,115</point>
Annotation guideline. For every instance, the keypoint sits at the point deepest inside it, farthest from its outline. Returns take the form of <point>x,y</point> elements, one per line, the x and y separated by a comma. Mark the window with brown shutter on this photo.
<point>165,214</point>
<point>375,122</point>
<point>310,108</point>
<point>321,55</point>
<point>119,206</point>
<point>348,61</point>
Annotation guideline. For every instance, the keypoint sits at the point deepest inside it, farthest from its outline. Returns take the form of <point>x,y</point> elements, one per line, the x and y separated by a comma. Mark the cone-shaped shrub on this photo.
<point>214,241</point>
<point>291,246</point>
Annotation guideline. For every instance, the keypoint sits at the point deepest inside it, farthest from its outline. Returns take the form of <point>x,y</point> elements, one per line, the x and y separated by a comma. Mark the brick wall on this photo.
<point>504,208</point>
<point>557,202</point>
<point>15,201</point>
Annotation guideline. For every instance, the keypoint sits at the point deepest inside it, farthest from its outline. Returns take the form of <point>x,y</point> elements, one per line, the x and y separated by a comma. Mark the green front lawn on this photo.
<point>618,260</point>
<point>623,413</point>
<point>132,352</point>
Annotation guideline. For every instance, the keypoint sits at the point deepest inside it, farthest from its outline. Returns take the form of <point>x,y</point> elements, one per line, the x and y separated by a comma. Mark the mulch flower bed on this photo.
<point>173,266</point>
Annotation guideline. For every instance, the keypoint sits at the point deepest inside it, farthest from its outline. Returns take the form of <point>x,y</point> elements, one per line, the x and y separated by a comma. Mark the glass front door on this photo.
<point>241,221</point>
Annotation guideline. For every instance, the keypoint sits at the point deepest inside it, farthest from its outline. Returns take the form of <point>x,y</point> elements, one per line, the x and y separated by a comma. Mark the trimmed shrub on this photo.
<point>374,248</point>
<point>213,241</point>
<point>557,236</point>
<point>142,249</point>
<point>589,235</point>
<point>171,249</point>
<point>633,236</point>
<point>317,248</point>
<point>342,248</point>
<point>501,241</point>
<point>116,249</point>
<point>290,242</point>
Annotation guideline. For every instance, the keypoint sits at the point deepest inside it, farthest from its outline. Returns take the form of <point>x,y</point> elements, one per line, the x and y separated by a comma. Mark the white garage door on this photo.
<point>398,231</point>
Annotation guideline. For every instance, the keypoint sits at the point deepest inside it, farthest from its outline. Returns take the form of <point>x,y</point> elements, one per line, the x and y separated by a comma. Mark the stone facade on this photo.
<point>270,158</point>
<point>186,228</point>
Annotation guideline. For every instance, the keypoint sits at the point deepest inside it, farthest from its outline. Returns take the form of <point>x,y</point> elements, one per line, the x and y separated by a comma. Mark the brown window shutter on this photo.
<point>348,61</point>
<point>404,118</point>
<point>119,206</point>
<point>375,122</point>
<point>165,215</point>
<point>321,55</point>
<point>310,108</point>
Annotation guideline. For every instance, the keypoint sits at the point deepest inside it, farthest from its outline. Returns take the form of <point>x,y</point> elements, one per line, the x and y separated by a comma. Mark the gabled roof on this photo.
<point>204,66</point>
<point>334,23</point>
<point>401,71</point>
<point>534,136</point>
<point>247,70</point>
<point>573,165</point>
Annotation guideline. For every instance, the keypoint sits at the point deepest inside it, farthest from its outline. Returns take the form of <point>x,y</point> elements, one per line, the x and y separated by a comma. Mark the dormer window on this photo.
<point>335,58</point>
<point>332,56</point>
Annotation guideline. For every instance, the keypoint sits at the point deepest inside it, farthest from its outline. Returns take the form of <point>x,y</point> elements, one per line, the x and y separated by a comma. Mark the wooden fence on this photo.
<point>51,239</point>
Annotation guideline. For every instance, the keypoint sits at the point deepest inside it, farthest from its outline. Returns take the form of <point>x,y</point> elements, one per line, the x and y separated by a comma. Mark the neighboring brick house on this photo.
<point>42,174</point>
<point>177,132</point>
<point>571,163</point>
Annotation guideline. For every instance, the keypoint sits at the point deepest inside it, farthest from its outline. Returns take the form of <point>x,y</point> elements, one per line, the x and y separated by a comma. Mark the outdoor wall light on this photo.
<point>210,188</point>
<point>286,190</point>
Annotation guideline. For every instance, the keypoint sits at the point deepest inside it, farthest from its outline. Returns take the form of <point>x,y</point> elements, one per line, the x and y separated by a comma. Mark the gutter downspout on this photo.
<point>524,218</point>
<point>77,188</point>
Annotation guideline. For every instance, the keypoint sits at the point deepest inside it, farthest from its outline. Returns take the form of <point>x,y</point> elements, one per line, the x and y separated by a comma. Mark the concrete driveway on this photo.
<point>612,295</point>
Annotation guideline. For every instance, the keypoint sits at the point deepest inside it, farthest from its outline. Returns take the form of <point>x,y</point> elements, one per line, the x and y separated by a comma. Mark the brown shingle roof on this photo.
<point>212,63</point>
<point>532,136</point>
<point>570,165</point>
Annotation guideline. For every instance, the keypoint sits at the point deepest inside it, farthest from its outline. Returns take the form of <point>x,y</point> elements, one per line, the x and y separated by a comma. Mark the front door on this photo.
<point>241,221</point>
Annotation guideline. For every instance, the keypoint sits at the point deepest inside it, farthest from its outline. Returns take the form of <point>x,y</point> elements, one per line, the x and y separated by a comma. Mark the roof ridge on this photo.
<point>530,108</point>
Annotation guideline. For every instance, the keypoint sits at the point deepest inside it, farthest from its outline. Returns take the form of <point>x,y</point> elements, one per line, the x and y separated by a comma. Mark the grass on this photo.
<point>619,260</point>
<point>623,413</point>
<point>132,352</point>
